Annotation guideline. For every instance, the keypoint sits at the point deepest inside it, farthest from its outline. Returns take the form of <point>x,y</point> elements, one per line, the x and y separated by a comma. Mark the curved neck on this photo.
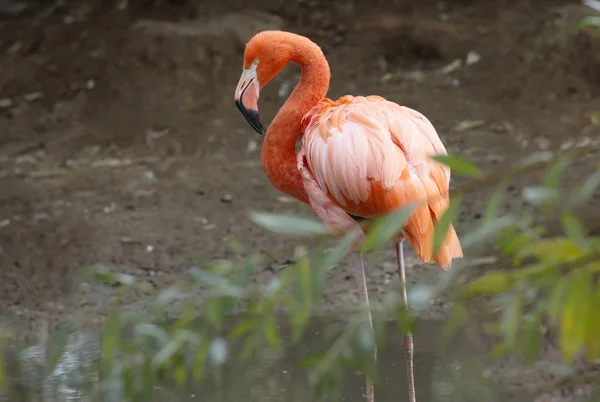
<point>279,148</point>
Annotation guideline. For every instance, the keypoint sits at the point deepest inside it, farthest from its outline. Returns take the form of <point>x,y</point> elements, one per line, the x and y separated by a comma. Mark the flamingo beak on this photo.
<point>246,98</point>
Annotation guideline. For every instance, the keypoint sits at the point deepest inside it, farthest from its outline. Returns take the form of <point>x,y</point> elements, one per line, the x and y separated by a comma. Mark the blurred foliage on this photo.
<point>592,21</point>
<point>194,329</point>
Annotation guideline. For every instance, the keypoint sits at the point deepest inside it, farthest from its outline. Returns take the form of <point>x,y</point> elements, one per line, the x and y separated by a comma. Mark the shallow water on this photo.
<point>454,377</point>
<point>439,377</point>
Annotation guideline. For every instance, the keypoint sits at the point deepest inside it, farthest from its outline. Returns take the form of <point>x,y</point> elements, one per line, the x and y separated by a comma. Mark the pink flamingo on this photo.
<point>361,157</point>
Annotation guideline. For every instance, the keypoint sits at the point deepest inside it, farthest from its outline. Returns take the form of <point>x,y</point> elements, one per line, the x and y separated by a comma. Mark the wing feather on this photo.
<point>371,156</point>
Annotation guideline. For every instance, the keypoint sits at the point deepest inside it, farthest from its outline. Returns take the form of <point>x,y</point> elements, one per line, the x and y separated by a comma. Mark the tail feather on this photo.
<point>420,228</point>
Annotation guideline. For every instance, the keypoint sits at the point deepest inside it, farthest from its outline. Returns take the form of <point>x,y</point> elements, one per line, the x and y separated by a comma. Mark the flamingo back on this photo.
<point>370,156</point>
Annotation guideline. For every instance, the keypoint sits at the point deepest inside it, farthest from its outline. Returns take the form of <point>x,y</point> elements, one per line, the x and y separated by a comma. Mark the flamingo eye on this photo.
<point>255,62</point>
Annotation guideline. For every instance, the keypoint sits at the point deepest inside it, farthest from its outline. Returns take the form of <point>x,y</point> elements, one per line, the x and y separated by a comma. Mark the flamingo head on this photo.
<point>265,55</point>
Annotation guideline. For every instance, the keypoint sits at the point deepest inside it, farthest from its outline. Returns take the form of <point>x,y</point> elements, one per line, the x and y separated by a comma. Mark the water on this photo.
<point>452,377</point>
<point>438,377</point>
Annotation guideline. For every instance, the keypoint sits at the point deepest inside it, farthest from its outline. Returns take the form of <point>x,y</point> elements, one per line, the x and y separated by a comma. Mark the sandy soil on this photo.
<point>120,143</point>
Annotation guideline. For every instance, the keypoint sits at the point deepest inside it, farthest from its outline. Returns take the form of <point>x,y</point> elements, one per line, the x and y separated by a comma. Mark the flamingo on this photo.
<point>361,157</point>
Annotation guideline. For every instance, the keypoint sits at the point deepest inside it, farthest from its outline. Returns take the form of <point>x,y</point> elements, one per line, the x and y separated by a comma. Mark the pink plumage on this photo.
<point>367,156</point>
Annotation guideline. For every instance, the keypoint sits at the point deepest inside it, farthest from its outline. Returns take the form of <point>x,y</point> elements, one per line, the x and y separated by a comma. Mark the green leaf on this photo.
<point>589,21</point>
<point>556,300</point>
<point>542,156</point>
<point>532,338</point>
<point>494,203</point>
<point>459,165</point>
<point>112,336</point>
<point>538,195</point>
<point>509,323</point>
<point>457,317</point>
<point>166,352</point>
<point>270,331</point>
<point>2,372</point>
<point>153,331</point>
<point>103,274</point>
<point>554,174</point>
<point>335,255</point>
<point>490,284</point>
<point>200,360</point>
<point>219,285</point>
<point>575,315</point>
<point>573,228</point>
<point>385,228</point>
<point>557,249</point>
<point>303,280</point>
<point>243,327</point>
<point>515,243</point>
<point>593,334</point>
<point>289,224</point>
<point>585,191</point>
<point>179,375</point>
<point>487,230</point>
<point>167,296</point>
<point>442,226</point>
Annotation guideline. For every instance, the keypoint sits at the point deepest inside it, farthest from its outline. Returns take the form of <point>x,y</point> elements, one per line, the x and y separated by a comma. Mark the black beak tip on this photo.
<point>251,116</point>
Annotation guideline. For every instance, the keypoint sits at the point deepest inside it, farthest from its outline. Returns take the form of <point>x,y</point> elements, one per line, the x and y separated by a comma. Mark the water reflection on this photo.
<point>277,377</point>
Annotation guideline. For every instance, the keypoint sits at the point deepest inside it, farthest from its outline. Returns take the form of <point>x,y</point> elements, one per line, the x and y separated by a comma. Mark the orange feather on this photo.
<point>368,157</point>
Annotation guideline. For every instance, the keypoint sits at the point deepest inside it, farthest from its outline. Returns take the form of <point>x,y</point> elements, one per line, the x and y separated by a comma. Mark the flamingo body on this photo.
<point>366,156</point>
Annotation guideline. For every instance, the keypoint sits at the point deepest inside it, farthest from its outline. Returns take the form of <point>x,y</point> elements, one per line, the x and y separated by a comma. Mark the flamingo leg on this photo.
<point>361,279</point>
<point>407,341</point>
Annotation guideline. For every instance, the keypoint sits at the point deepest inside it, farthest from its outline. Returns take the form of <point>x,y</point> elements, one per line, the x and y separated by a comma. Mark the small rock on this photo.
<point>493,158</point>
<point>566,145</point>
<point>502,127</point>
<point>472,58</point>
<point>468,125</point>
<point>201,219</point>
<point>91,84</point>
<point>110,208</point>
<point>285,199</point>
<point>5,103</point>
<point>111,162</point>
<point>4,223</point>
<point>542,143</point>
<point>149,248</point>
<point>453,66</point>
<point>338,40</point>
<point>252,146</point>
<point>584,142</point>
<point>416,76</point>
<point>227,198</point>
<point>32,97</point>
<point>12,8</point>
<point>41,216</point>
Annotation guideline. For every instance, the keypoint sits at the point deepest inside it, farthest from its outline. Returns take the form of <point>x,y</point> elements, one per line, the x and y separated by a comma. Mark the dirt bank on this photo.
<point>120,143</point>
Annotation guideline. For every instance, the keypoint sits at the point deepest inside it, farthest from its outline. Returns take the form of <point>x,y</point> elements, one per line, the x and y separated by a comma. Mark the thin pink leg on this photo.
<point>407,341</point>
<point>361,279</point>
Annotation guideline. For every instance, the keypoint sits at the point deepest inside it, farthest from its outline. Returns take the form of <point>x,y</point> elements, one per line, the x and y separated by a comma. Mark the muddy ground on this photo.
<point>120,143</point>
